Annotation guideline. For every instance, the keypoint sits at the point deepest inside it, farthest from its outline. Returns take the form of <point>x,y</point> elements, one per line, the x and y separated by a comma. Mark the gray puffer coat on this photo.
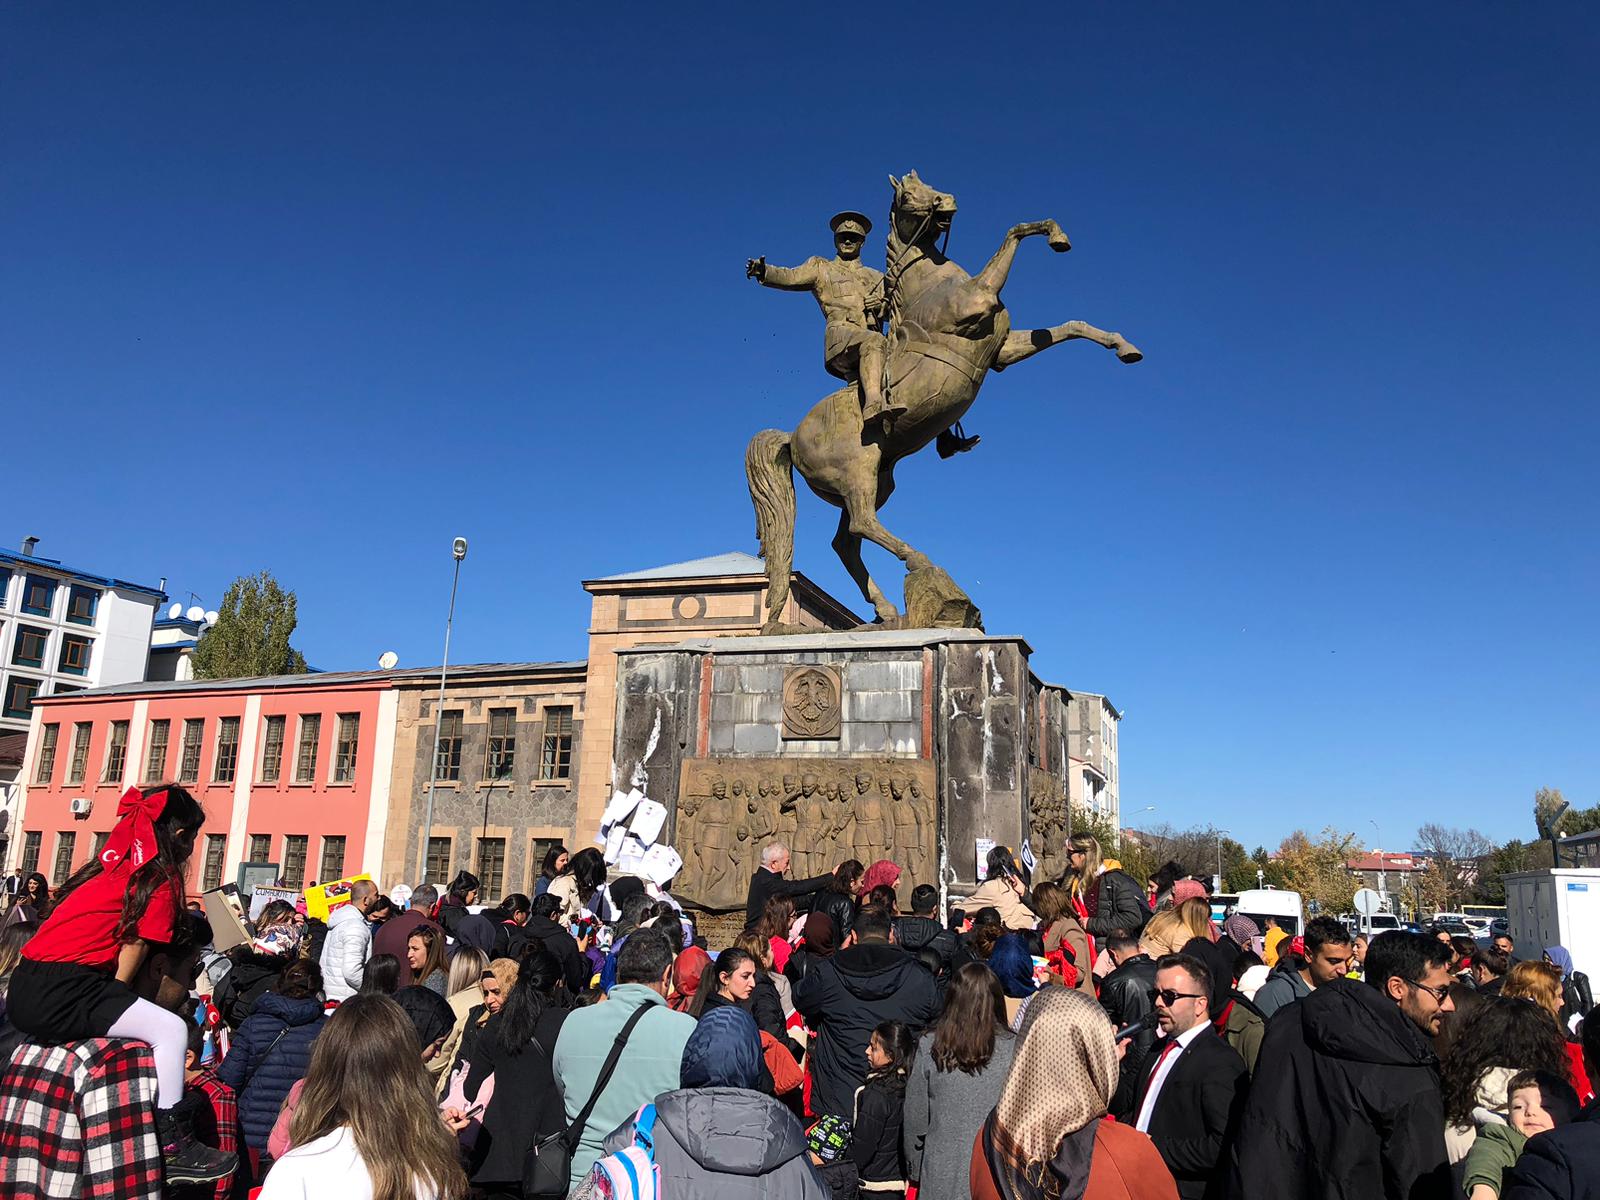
<point>728,1144</point>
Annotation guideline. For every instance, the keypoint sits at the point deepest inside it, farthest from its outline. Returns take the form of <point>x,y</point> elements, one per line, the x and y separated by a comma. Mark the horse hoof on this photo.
<point>1129,353</point>
<point>1060,243</point>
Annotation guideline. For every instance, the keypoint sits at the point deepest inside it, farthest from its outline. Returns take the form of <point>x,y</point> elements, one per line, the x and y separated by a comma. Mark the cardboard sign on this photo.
<point>984,846</point>
<point>326,897</point>
<point>226,913</point>
<point>263,896</point>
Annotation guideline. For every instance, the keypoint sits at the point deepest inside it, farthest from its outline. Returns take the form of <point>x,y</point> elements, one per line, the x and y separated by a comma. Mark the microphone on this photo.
<point>1138,1027</point>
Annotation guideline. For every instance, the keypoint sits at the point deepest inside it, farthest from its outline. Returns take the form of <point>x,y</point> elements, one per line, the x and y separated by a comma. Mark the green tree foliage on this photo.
<point>1316,868</point>
<point>251,636</point>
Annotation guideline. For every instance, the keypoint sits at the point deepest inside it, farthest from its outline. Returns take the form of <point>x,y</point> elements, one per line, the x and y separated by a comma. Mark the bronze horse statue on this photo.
<point>948,329</point>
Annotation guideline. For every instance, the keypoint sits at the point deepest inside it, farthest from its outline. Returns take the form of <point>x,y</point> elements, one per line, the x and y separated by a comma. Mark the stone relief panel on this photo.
<point>1047,824</point>
<point>824,809</point>
<point>812,703</point>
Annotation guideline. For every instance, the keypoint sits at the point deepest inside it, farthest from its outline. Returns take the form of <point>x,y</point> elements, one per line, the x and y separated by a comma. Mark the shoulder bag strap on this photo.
<point>262,1061</point>
<point>575,1130</point>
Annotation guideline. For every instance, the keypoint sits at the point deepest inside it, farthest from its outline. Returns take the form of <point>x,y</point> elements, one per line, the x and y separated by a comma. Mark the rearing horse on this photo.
<point>948,330</point>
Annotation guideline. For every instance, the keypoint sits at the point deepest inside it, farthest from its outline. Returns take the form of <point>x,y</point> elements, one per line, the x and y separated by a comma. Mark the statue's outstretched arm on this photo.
<point>791,279</point>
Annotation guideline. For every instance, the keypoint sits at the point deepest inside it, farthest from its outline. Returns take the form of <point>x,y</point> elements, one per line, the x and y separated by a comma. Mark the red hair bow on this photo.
<point>134,838</point>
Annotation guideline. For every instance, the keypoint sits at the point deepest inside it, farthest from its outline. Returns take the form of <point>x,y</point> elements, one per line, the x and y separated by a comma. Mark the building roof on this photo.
<point>316,679</point>
<point>822,639</point>
<point>1387,862</point>
<point>735,562</point>
<point>33,561</point>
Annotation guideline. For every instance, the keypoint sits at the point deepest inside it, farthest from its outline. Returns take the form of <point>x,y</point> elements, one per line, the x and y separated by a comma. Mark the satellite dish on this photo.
<point>212,616</point>
<point>175,611</point>
<point>388,659</point>
<point>196,613</point>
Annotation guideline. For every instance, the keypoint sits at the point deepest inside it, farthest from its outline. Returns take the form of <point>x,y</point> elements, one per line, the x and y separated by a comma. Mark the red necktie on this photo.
<point>1150,1079</point>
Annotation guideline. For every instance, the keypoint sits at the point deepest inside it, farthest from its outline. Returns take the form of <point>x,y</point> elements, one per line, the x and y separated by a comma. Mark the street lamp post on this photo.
<point>458,551</point>
<point>1383,865</point>
<point>1219,833</point>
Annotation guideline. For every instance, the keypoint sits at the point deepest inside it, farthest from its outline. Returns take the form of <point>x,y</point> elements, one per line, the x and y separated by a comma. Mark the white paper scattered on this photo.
<point>984,845</point>
<point>648,820</point>
<point>1026,854</point>
<point>660,864</point>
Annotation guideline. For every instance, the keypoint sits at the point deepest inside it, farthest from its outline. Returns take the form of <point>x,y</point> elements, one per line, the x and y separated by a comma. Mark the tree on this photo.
<point>1316,869</point>
<point>1455,858</point>
<point>251,636</point>
<point>1546,801</point>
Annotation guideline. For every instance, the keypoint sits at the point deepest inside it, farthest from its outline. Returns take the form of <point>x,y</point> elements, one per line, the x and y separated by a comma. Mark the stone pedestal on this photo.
<point>902,744</point>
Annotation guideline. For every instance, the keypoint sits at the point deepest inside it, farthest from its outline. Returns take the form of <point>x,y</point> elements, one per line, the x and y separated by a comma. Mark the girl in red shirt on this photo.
<point>74,978</point>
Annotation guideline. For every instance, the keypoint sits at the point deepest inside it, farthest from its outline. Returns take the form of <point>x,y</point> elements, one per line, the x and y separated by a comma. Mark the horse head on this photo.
<point>920,214</point>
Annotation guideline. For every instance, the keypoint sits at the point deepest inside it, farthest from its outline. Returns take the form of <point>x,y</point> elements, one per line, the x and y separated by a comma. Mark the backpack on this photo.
<point>631,1173</point>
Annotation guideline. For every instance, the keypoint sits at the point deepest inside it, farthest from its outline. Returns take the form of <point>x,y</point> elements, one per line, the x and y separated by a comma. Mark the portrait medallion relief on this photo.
<point>811,703</point>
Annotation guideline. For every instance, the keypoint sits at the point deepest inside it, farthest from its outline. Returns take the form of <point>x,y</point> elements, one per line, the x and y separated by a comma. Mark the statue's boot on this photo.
<point>954,441</point>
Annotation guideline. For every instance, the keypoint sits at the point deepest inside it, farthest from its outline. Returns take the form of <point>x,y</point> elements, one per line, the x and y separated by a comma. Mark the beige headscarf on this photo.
<point>1062,1077</point>
<point>505,970</point>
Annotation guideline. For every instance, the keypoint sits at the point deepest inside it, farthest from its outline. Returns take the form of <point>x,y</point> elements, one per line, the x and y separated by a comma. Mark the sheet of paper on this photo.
<point>631,860</point>
<point>984,846</point>
<point>661,863</point>
<point>647,821</point>
<point>622,803</point>
<point>614,844</point>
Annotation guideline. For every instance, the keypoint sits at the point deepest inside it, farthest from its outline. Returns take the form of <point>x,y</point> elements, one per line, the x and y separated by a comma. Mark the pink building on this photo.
<point>294,770</point>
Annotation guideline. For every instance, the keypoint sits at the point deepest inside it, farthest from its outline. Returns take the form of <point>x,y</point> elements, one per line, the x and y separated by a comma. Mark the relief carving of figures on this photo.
<point>1047,823</point>
<point>824,809</point>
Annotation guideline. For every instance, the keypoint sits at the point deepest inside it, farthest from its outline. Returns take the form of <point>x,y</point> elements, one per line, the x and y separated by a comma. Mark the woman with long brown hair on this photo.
<point>425,954</point>
<point>367,1123</point>
<point>955,1081</point>
<point>1063,931</point>
<point>1045,1139</point>
<point>1541,982</point>
<point>774,925</point>
<point>1172,928</point>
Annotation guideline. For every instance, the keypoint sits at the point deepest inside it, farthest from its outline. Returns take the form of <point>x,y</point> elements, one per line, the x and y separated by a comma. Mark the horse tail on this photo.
<point>769,470</point>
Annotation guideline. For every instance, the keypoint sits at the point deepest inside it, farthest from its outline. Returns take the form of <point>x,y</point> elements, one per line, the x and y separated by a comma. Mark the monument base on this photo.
<point>914,745</point>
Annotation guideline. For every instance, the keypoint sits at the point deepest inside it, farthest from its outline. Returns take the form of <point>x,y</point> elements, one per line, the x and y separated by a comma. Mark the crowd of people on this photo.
<point>1091,1036</point>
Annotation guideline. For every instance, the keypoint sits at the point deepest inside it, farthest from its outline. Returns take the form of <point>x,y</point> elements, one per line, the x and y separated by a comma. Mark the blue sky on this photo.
<point>315,288</point>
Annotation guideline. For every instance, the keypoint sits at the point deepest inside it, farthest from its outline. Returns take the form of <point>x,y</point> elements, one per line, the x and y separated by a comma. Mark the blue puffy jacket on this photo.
<point>261,1067</point>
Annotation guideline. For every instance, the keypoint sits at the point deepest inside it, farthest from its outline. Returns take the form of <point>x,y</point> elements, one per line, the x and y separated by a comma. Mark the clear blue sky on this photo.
<point>317,287</point>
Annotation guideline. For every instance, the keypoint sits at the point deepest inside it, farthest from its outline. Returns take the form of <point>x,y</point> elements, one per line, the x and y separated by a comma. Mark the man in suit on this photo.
<point>1191,1086</point>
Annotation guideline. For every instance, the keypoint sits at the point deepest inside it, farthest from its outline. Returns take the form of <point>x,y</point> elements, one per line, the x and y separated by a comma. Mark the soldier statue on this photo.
<point>851,297</point>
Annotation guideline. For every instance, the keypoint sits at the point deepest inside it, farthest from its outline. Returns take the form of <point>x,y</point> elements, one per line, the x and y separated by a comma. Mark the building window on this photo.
<point>536,852</point>
<point>491,868</point>
<point>448,765</point>
<point>75,654</point>
<point>30,647</point>
<point>79,765</point>
<point>81,605</point>
<point>305,757</point>
<point>211,877</point>
<point>227,763</point>
<point>155,757</point>
<point>555,761</point>
<point>19,697</point>
<point>502,756</point>
<point>30,852</point>
<point>116,753</point>
<point>272,750</point>
<point>438,865</point>
<point>260,847</point>
<point>100,840</point>
<point>65,844</point>
<point>38,596</point>
<point>344,749</point>
<point>294,859</point>
<point>194,730</point>
<point>332,858</point>
<point>46,766</point>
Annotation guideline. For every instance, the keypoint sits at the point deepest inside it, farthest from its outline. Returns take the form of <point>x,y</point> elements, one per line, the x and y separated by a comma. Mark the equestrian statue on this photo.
<point>946,331</point>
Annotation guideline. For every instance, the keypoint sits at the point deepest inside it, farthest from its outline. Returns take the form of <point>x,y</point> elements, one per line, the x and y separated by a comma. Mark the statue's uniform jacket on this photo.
<point>842,290</point>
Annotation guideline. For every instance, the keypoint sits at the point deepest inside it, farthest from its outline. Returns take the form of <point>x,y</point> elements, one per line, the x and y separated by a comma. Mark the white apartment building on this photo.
<point>61,630</point>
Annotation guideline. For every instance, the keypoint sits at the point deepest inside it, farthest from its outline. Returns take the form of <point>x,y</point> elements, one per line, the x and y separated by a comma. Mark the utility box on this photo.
<point>1559,907</point>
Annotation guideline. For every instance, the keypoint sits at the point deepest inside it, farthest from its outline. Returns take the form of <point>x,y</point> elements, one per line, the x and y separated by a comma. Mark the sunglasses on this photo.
<point>1169,997</point>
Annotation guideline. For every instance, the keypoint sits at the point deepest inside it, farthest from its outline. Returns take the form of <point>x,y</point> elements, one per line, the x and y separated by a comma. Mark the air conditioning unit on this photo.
<point>81,806</point>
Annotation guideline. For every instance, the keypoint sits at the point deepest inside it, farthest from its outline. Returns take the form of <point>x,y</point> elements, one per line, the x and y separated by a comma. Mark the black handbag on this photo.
<point>547,1170</point>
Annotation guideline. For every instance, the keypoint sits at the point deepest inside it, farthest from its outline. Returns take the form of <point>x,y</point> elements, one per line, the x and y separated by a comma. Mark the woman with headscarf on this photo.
<point>1013,967</point>
<point>1242,932</point>
<point>1045,1139</point>
<point>882,873</point>
<point>687,971</point>
<point>818,939</point>
<point>1236,1019</point>
<point>717,1135</point>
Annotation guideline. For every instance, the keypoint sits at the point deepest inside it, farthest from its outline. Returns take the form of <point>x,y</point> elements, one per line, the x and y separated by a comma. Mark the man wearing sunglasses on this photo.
<point>1346,1100</point>
<point>1191,1086</point>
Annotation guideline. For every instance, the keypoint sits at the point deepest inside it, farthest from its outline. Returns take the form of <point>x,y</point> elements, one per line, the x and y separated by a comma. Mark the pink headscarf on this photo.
<point>1187,889</point>
<point>133,840</point>
<point>882,871</point>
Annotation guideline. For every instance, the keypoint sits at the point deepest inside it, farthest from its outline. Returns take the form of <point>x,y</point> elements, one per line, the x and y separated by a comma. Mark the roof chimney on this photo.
<point>28,543</point>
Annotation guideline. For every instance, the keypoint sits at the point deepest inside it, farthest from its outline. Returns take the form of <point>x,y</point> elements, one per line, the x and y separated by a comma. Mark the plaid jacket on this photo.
<point>78,1120</point>
<point>217,1122</point>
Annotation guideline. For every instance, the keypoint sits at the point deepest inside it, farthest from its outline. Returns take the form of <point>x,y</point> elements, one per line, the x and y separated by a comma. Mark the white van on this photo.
<point>1260,903</point>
